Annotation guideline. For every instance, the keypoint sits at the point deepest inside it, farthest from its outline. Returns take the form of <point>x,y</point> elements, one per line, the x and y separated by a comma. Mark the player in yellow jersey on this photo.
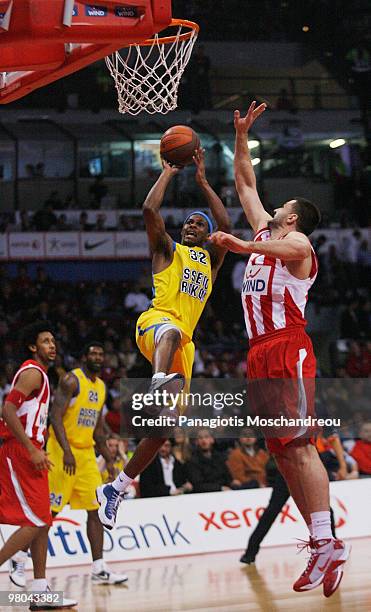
<point>183,275</point>
<point>76,428</point>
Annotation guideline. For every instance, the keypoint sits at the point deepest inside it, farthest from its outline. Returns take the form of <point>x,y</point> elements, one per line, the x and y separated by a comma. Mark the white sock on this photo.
<point>158,375</point>
<point>321,525</point>
<point>122,482</point>
<point>39,584</point>
<point>97,566</point>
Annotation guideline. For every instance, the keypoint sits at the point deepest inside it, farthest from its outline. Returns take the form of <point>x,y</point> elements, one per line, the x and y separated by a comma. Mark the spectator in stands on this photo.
<point>182,449</point>
<point>24,221</point>
<point>247,462</point>
<point>62,225</point>
<point>283,101</point>
<point>83,225</point>
<point>350,246</point>
<point>207,469</point>
<point>359,61</point>
<point>360,449</point>
<point>349,322</point>
<point>83,333</point>
<point>98,190</point>
<point>99,300</point>
<point>100,223</point>
<point>364,254</point>
<point>112,417</point>
<point>54,201</point>
<point>358,364</point>
<point>123,225</point>
<point>127,353</point>
<point>136,300</point>
<point>22,281</point>
<point>164,476</point>
<point>116,447</point>
<point>111,358</point>
<point>29,170</point>
<point>39,171</point>
<point>70,202</point>
<point>44,219</point>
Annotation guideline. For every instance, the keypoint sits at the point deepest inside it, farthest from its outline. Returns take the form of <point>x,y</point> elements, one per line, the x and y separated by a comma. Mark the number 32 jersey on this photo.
<point>82,414</point>
<point>33,412</point>
<point>183,288</point>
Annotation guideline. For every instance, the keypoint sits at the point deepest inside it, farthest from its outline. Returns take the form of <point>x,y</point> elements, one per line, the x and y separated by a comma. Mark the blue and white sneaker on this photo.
<point>17,565</point>
<point>109,500</point>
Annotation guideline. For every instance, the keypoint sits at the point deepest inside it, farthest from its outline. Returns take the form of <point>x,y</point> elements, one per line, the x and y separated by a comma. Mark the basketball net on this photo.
<point>147,74</point>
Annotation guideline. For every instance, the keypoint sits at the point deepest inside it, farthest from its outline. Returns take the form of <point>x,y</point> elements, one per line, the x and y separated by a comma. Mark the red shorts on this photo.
<point>24,490</point>
<point>281,370</point>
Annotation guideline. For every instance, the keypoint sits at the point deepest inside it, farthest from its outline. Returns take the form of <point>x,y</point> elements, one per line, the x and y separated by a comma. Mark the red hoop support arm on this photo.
<point>42,28</point>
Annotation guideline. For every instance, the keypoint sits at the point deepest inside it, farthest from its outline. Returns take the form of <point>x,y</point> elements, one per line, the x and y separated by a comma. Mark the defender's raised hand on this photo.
<point>243,124</point>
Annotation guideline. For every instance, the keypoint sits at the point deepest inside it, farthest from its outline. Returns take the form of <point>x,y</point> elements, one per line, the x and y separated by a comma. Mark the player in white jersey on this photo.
<point>24,490</point>
<point>280,271</point>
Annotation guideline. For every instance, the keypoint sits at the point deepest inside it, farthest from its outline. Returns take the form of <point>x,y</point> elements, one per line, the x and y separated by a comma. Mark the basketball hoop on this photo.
<point>147,74</point>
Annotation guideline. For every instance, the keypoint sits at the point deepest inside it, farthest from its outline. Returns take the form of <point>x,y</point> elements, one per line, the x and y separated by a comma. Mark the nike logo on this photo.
<point>324,567</point>
<point>93,245</point>
<point>251,275</point>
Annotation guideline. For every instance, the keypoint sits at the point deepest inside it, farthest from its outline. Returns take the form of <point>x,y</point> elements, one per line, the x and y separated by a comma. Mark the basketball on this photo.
<point>178,145</point>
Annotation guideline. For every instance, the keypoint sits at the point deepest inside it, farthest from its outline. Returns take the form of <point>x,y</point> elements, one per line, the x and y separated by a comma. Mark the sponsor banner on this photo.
<point>60,245</point>
<point>75,11</point>
<point>3,246</point>
<point>95,245</point>
<point>131,244</point>
<point>28,245</point>
<point>126,11</point>
<point>92,10</point>
<point>198,523</point>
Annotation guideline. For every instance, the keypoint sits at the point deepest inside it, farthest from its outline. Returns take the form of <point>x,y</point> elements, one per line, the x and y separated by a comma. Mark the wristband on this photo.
<point>16,397</point>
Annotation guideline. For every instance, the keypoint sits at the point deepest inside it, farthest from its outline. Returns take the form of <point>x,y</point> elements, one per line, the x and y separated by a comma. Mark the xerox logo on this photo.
<point>126,11</point>
<point>229,519</point>
<point>95,11</point>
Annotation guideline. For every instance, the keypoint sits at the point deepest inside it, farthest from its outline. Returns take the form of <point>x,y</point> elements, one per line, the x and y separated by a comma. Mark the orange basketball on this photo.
<point>178,145</point>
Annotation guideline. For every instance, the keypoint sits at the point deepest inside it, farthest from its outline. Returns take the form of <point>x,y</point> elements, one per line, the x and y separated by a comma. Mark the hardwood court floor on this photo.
<point>216,582</point>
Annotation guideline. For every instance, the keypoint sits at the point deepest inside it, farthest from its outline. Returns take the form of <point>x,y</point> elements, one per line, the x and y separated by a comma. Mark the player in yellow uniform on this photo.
<point>183,275</point>
<point>76,428</point>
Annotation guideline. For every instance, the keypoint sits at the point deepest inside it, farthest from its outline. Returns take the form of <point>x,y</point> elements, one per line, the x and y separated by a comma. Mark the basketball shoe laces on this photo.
<point>308,546</point>
<point>19,565</point>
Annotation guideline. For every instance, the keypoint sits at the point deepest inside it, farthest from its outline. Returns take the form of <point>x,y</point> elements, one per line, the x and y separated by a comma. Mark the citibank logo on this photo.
<point>68,535</point>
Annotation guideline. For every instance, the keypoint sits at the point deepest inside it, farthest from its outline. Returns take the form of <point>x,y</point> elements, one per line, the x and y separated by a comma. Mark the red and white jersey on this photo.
<point>272,298</point>
<point>33,413</point>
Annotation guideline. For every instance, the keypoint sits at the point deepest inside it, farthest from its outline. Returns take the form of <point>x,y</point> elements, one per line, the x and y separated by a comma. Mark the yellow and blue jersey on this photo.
<point>183,288</point>
<point>82,414</point>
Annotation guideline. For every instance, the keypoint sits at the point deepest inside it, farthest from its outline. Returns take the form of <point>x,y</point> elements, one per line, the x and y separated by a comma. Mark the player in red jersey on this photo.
<point>24,489</point>
<point>281,364</point>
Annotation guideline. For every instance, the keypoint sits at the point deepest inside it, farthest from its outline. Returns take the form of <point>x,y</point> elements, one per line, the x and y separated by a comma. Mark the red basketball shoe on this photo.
<point>327,555</point>
<point>331,581</point>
